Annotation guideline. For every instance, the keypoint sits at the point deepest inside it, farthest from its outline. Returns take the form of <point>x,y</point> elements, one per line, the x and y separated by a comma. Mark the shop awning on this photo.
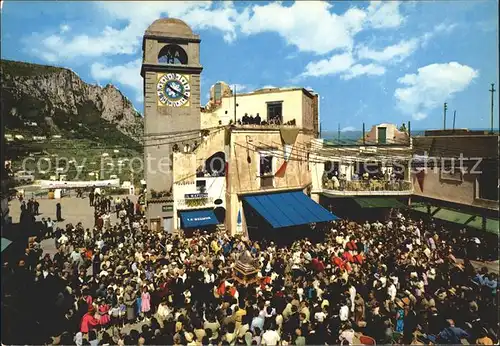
<point>492,225</point>
<point>423,208</point>
<point>285,209</point>
<point>452,216</point>
<point>375,202</point>
<point>5,243</point>
<point>460,217</point>
<point>198,218</point>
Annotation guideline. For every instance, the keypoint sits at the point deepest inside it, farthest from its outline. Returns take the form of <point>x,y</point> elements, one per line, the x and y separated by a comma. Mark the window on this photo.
<point>266,164</point>
<point>487,184</point>
<point>332,168</point>
<point>173,54</point>
<point>275,112</point>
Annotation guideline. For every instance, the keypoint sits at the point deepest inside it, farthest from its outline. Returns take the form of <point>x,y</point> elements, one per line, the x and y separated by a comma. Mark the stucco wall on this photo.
<point>256,103</point>
<point>309,111</point>
<point>185,167</point>
<point>393,135</point>
<point>243,175</point>
<point>434,186</point>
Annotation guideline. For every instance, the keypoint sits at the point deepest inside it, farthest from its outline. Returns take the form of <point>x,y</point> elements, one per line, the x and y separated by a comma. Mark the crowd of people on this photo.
<point>392,282</point>
<point>104,205</point>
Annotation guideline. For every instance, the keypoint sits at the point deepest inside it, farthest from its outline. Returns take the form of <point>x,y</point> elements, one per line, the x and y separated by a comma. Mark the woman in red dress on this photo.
<point>89,321</point>
<point>104,313</point>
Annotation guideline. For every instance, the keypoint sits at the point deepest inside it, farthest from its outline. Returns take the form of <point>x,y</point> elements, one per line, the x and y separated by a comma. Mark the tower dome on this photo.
<point>170,27</point>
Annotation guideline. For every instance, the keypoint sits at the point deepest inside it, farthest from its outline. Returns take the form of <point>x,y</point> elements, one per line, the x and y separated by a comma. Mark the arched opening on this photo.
<point>215,165</point>
<point>220,214</point>
<point>173,54</point>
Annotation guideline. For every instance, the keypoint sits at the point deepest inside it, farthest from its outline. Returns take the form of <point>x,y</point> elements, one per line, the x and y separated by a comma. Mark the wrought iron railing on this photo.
<point>366,185</point>
<point>195,202</point>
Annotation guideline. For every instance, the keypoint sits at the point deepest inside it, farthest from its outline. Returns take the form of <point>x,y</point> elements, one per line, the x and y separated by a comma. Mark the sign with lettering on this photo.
<point>195,195</point>
<point>165,208</point>
<point>201,218</point>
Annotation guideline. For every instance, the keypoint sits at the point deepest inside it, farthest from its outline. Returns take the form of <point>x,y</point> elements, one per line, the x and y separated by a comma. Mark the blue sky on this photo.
<point>371,62</point>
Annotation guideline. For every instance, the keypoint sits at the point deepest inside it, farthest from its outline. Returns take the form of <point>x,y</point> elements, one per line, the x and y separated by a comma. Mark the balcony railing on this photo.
<point>195,202</point>
<point>371,186</point>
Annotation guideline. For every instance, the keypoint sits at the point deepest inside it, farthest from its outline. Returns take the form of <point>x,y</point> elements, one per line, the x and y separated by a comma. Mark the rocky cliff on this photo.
<point>44,100</point>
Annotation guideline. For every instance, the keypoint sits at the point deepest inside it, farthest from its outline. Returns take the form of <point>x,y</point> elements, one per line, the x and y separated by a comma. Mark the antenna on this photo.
<point>364,140</point>
<point>445,107</point>
<point>234,104</point>
<point>338,133</point>
<point>492,90</point>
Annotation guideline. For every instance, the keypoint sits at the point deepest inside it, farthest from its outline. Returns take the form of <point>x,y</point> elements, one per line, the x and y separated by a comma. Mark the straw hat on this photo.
<point>400,303</point>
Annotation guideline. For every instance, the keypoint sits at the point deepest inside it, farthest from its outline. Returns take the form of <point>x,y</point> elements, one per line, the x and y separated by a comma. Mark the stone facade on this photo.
<point>163,124</point>
<point>244,177</point>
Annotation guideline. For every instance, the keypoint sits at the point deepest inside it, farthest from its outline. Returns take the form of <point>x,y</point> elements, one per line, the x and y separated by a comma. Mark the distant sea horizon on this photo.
<point>353,136</point>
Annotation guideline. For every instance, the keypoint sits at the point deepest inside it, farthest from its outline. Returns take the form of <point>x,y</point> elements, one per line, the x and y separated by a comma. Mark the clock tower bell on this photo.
<point>171,79</point>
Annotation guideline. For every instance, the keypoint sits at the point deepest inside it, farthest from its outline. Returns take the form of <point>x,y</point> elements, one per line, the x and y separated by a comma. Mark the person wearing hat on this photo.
<point>400,314</point>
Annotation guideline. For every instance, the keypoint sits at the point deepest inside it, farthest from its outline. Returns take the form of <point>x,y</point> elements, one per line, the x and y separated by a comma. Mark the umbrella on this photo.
<point>5,243</point>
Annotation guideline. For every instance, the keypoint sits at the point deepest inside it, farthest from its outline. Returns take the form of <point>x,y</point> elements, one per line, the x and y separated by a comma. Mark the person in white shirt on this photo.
<point>352,294</point>
<point>347,334</point>
<point>344,313</point>
<point>270,338</point>
<point>391,291</point>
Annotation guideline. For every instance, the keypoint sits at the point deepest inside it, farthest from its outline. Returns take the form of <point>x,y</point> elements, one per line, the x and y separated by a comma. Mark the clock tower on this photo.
<point>171,79</point>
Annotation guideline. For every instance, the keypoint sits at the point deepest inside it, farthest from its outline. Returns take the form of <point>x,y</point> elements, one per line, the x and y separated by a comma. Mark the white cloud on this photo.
<point>403,49</point>
<point>239,87</point>
<point>64,28</point>
<point>138,16</point>
<point>126,75</point>
<point>438,29</point>
<point>362,70</point>
<point>396,52</point>
<point>348,129</point>
<point>306,25</point>
<point>432,85</point>
<point>336,64</point>
<point>313,27</point>
<point>384,14</point>
<point>342,64</point>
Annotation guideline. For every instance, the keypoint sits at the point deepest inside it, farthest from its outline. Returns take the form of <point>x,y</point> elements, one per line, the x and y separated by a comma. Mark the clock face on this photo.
<point>173,90</point>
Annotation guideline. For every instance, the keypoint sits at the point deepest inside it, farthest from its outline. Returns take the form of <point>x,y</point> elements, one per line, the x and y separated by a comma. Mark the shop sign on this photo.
<point>195,195</point>
<point>166,208</point>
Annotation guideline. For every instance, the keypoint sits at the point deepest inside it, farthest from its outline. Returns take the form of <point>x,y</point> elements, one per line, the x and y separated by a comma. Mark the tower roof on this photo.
<point>170,27</point>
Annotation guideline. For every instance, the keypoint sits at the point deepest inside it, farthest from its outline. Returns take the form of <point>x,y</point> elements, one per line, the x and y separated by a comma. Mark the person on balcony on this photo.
<point>336,183</point>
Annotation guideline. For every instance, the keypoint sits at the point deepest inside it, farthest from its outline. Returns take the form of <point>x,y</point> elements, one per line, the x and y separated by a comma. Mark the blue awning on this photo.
<point>198,218</point>
<point>284,209</point>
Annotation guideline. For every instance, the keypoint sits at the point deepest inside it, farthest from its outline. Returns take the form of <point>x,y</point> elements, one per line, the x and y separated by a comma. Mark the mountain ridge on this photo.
<point>59,101</point>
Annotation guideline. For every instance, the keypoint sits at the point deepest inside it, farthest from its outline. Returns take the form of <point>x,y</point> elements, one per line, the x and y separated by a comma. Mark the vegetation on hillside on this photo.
<point>84,135</point>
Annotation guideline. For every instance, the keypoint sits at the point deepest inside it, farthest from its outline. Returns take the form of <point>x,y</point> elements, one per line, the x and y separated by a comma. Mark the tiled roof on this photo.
<point>485,146</point>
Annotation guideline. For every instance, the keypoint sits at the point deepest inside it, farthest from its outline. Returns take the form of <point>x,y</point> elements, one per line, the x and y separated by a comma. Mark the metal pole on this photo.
<point>234,94</point>
<point>338,133</point>
<point>454,116</point>
<point>364,134</point>
<point>445,107</point>
<point>492,90</point>
<point>409,132</point>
